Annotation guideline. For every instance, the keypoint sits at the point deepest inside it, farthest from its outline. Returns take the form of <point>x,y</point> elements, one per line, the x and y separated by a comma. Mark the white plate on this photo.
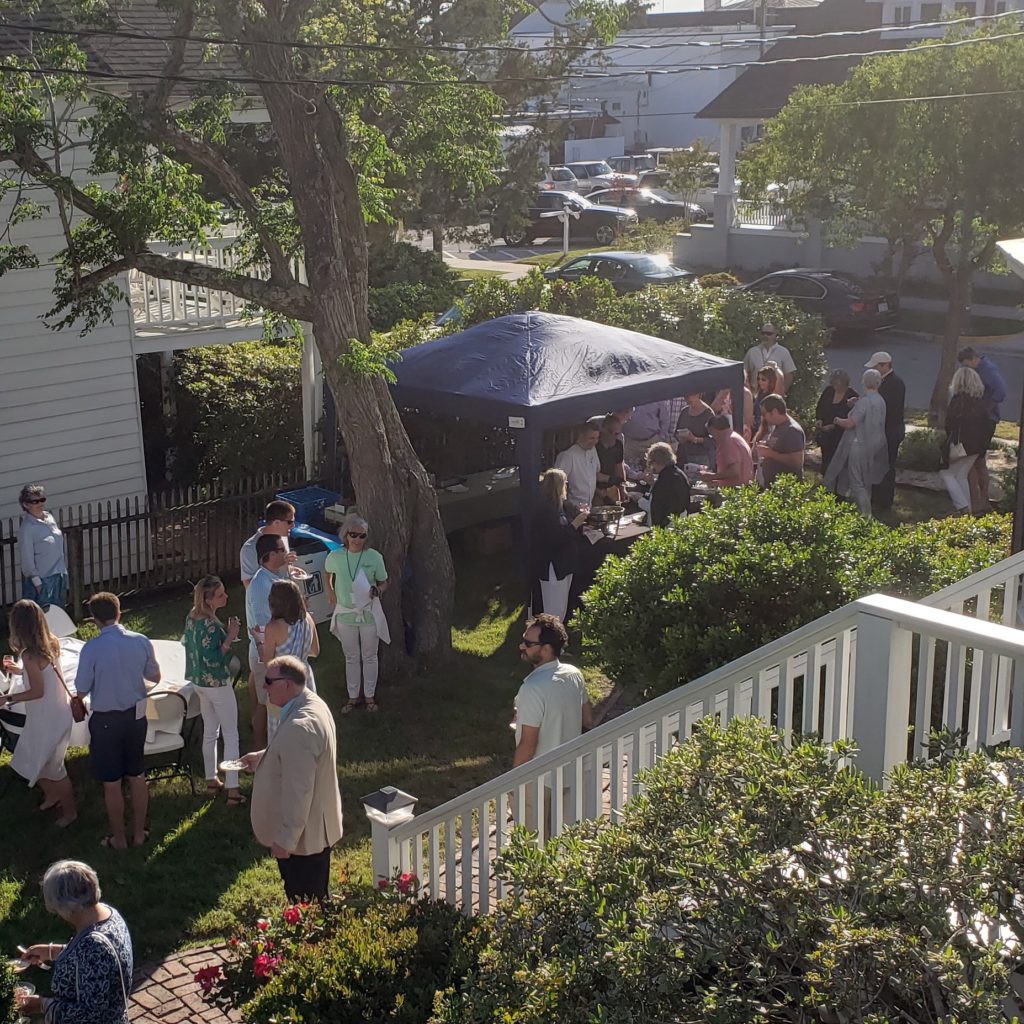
<point>299,575</point>
<point>232,766</point>
<point>18,965</point>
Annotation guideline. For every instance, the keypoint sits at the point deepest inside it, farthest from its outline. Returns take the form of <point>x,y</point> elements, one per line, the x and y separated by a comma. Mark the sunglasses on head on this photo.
<point>35,501</point>
<point>352,533</point>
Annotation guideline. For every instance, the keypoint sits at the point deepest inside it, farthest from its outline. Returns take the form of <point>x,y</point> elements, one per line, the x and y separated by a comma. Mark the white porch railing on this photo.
<point>158,304</point>
<point>769,215</point>
<point>869,672</point>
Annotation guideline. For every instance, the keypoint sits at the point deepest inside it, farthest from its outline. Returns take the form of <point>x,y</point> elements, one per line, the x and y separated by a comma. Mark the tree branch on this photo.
<point>157,99</point>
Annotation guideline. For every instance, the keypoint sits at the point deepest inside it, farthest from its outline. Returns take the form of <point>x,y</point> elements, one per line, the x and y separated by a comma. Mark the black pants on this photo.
<point>883,494</point>
<point>306,876</point>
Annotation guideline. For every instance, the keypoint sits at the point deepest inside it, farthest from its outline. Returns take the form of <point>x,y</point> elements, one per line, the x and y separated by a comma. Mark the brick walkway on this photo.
<point>166,993</point>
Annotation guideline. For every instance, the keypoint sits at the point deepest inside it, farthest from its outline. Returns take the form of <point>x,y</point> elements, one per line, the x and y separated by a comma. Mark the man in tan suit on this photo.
<point>296,803</point>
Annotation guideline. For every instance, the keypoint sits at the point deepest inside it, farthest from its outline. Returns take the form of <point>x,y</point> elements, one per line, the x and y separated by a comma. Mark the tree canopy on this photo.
<point>923,146</point>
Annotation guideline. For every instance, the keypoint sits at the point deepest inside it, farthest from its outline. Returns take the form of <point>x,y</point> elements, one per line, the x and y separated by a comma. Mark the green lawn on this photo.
<point>472,274</point>
<point>436,736</point>
<point>553,259</point>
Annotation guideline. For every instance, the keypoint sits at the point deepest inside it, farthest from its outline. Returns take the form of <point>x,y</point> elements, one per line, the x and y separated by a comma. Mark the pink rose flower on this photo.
<point>264,965</point>
<point>383,884</point>
<point>406,883</point>
<point>292,915</point>
<point>263,924</point>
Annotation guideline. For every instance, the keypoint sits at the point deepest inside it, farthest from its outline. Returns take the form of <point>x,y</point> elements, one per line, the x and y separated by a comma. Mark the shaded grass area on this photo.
<point>437,736</point>
<point>934,322</point>
<point>472,274</point>
<point>553,259</point>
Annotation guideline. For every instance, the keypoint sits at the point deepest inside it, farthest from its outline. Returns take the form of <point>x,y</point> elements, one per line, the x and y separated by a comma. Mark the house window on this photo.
<point>616,106</point>
<point>1000,6</point>
<point>931,12</point>
<point>902,15</point>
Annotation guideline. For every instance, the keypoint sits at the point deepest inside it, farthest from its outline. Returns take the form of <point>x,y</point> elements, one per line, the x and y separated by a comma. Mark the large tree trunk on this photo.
<point>392,489</point>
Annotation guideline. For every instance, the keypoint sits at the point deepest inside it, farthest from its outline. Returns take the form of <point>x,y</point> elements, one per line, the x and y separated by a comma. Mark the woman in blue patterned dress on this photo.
<point>92,974</point>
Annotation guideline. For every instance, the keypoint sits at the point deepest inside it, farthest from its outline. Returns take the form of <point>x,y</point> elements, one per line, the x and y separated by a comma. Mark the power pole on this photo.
<point>763,19</point>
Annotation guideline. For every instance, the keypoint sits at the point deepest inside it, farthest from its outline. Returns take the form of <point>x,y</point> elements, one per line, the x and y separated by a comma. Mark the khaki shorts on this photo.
<point>259,674</point>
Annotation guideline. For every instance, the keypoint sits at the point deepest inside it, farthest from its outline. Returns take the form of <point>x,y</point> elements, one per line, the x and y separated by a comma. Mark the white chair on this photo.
<point>59,621</point>
<point>165,739</point>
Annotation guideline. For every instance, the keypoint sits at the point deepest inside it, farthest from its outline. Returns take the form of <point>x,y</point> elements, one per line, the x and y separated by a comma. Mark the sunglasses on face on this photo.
<point>270,681</point>
<point>352,533</point>
<point>36,501</point>
<point>530,643</point>
<point>767,334</point>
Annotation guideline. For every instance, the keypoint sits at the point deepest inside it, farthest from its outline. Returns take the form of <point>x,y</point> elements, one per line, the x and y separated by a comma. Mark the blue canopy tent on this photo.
<point>535,371</point>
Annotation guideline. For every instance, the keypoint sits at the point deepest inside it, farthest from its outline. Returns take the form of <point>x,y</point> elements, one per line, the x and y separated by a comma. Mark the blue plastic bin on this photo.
<point>309,503</point>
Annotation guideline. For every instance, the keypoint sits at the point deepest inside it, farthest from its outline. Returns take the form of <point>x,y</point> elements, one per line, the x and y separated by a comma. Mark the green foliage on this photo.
<point>239,410</point>
<point>650,236</point>
<point>8,1014</point>
<point>406,282</point>
<point>922,450</point>
<point>719,280</point>
<point>751,883</point>
<point>691,598</point>
<point>691,170</point>
<point>366,955</point>
<point>720,321</point>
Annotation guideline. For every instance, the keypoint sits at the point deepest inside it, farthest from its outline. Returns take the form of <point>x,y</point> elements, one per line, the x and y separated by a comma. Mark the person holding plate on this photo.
<point>356,579</point>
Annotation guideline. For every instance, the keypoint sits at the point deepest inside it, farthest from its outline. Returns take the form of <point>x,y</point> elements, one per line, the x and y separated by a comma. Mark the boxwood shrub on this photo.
<point>709,589</point>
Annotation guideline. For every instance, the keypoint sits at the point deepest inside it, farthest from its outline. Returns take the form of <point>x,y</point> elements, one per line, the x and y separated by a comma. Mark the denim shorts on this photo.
<point>117,744</point>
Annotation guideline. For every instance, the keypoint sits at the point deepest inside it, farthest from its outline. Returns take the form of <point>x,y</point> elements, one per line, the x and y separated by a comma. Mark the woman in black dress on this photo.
<point>835,403</point>
<point>555,558</point>
<point>610,451</point>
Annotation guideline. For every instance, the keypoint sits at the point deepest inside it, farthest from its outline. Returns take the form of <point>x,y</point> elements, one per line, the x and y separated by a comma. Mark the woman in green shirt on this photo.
<point>207,667</point>
<point>356,579</point>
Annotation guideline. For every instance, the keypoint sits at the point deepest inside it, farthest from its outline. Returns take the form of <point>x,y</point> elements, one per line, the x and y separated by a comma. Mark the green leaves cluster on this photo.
<point>754,884</point>
<point>720,321</point>
<point>8,1013</point>
<point>696,596</point>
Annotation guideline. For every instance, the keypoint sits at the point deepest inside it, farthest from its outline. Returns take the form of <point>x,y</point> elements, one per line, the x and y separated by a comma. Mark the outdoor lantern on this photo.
<point>389,806</point>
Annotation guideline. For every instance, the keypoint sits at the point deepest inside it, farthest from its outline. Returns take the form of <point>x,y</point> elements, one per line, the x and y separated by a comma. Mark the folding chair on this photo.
<point>59,621</point>
<point>165,737</point>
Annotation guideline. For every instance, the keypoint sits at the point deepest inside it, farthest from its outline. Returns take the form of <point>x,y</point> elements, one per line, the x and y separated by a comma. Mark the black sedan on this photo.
<point>649,205</point>
<point>627,271</point>
<point>602,223</point>
<point>842,301</point>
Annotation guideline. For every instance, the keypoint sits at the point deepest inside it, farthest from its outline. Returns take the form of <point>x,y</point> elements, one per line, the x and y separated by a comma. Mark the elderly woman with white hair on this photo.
<point>968,427</point>
<point>92,974</point>
<point>862,458</point>
<point>356,579</point>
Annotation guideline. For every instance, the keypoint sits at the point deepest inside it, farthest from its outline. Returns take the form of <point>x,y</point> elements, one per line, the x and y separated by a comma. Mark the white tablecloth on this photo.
<point>170,656</point>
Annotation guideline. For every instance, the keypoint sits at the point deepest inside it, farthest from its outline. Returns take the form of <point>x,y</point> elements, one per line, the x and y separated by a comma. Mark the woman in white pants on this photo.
<point>967,432</point>
<point>356,579</point>
<point>207,660</point>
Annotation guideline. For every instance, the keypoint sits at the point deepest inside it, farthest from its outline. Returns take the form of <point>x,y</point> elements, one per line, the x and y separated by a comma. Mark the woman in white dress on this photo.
<point>862,458</point>
<point>44,699</point>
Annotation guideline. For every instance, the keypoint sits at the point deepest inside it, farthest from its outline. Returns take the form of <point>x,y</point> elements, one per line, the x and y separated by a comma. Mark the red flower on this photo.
<point>383,884</point>
<point>263,924</point>
<point>264,965</point>
<point>233,942</point>
<point>292,915</point>
<point>406,883</point>
<point>207,977</point>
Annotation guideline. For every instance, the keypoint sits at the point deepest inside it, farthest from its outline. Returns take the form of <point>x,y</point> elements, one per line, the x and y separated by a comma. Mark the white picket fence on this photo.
<point>868,672</point>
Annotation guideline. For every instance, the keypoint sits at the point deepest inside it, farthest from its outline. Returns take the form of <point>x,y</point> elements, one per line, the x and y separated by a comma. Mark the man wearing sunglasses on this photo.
<point>768,350</point>
<point>296,802</point>
<point>272,555</point>
<point>279,518</point>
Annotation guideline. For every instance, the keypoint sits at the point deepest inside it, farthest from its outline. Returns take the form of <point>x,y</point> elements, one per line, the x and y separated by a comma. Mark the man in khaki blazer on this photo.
<point>296,803</point>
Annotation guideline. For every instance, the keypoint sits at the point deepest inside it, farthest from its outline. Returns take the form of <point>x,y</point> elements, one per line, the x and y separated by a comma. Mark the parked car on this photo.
<point>840,299</point>
<point>703,195</point>
<point>599,174</point>
<point>627,271</point>
<point>560,178</point>
<point>648,204</point>
<point>635,164</point>
<point>602,223</point>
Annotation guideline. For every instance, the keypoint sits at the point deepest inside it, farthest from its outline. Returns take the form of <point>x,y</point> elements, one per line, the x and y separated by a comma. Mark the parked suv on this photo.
<point>599,174</point>
<point>636,164</point>
<point>602,223</point>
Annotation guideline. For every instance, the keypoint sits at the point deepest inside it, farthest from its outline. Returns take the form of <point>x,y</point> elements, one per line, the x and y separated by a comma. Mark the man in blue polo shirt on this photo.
<point>113,668</point>
<point>272,556</point>
<point>995,392</point>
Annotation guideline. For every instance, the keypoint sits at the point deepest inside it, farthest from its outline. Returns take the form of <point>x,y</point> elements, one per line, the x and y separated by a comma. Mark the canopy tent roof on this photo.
<point>538,370</point>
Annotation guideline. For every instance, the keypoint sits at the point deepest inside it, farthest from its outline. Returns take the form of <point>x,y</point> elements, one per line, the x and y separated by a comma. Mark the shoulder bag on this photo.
<point>78,710</point>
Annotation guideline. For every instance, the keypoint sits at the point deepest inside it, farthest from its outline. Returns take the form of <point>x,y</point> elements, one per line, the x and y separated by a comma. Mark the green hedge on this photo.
<point>692,597</point>
<point>8,1014</point>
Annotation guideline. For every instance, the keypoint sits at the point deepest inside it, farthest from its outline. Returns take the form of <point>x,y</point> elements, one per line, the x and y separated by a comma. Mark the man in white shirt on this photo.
<point>551,705</point>
<point>279,518</point>
<point>580,462</point>
<point>768,350</point>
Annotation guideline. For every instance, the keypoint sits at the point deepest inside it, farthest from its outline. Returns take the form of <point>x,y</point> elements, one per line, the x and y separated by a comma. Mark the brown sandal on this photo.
<point>350,707</point>
<point>372,705</point>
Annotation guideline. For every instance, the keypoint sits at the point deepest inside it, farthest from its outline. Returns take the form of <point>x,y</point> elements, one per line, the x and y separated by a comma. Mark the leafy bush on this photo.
<point>723,583</point>
<point>406,282</point>
<point>720,321</point>
<point>652,236</point>
<point>922,450</point>
<point>364,956</point>
<point>754,884</point>
<point>239,410</point>
<point>8,1014</point>
<point>719,280</point>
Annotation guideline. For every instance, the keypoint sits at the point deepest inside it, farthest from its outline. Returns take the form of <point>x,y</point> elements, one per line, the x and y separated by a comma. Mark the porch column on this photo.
<point>725,197</point>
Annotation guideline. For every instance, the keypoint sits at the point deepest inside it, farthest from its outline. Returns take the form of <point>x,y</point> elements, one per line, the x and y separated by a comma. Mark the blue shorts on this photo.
<point>117,744</point>
<point>53,591</point>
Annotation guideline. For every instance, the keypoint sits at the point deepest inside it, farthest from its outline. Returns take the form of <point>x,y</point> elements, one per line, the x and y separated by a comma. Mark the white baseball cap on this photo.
<point>878,357</point>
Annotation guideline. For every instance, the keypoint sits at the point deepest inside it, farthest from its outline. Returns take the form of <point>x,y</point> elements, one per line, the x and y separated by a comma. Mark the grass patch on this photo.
<point>544,260</point>
<point>474,274</point>
<point>1006,430</point>
<point>927,321</point>
<point>437,736</point>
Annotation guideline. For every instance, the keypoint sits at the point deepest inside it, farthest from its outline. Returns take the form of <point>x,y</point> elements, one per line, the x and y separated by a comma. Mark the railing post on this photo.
<point>881,693</point>
<point>387,809</point>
